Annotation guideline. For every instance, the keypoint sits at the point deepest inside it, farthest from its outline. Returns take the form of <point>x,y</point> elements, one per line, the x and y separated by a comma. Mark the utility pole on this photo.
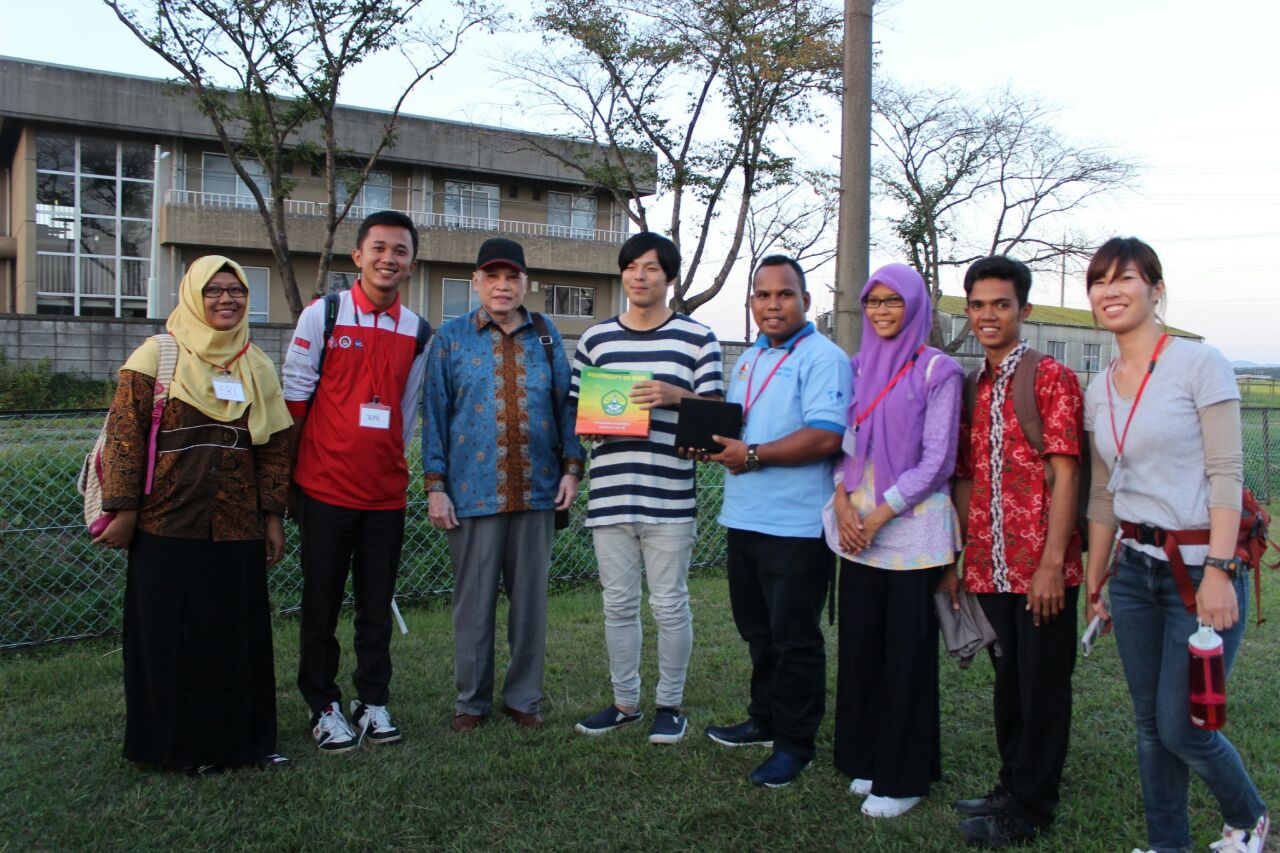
<point>1062,282</point>
<point>853,243</point>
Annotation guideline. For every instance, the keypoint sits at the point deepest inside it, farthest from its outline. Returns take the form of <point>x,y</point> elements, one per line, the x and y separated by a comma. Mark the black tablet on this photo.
<point>701,418</point>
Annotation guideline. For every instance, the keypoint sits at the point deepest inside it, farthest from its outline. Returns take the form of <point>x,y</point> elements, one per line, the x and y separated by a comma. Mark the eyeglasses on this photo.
<point>235,291</point>
<point>888,302</point>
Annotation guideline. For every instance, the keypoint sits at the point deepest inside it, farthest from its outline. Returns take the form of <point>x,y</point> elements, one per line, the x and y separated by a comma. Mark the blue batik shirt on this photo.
<point>488,430</point>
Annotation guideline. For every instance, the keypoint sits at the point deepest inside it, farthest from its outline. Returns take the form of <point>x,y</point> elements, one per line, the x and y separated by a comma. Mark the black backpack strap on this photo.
<point>330,321</point>
<point>423,336</point>
<point>548,344</point>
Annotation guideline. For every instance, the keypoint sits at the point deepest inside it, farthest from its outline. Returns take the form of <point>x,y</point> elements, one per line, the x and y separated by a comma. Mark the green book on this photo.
<point>604,403</point>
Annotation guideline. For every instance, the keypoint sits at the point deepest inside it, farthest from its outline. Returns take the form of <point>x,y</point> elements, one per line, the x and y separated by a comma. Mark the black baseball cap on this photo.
<point>500,250</point>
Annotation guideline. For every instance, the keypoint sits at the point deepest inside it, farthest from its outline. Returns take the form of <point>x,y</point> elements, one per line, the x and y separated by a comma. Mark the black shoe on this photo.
<point>998,830</point>
<point>743,734</point>
<point>995,802</point>
<point>778,770</point>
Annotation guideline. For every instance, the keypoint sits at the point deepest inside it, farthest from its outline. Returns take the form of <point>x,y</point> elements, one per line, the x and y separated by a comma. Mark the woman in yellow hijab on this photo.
<point>202,523</point>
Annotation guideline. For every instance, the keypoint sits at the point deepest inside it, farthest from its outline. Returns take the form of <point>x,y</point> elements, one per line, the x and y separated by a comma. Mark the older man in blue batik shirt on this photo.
<point>499,455</point>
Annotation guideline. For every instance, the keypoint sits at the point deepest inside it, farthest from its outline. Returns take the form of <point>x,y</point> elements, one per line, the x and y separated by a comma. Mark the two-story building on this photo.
<point>1069,335</point>
<point>110,185</point>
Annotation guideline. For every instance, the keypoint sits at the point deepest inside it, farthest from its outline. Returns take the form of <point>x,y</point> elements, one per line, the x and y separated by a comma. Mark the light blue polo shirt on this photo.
<point>810,388</point>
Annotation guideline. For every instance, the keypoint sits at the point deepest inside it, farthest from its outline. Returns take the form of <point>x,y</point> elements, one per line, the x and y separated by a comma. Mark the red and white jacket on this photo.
<point>369,354</point>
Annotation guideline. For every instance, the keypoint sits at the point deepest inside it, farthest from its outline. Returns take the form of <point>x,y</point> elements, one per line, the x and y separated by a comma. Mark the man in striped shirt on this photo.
<point>641,503</point>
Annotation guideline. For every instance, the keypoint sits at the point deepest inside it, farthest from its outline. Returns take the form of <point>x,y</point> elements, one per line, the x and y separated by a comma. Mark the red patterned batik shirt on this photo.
<point>1024,501</point>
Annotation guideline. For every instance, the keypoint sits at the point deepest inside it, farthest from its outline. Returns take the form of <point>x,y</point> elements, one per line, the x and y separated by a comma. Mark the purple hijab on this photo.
<point>894,432</point>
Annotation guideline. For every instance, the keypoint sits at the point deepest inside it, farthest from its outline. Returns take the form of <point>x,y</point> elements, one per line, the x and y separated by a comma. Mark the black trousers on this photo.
<point>777,586</point>
<point>1032,699</point>
<point>337,540</point>
<point>888,727</point>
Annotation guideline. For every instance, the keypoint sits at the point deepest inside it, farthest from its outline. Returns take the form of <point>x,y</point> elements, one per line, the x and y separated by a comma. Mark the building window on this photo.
<point>565,301</point>
<point>374,194</point>
<point>340,281</point>
<point>459,298</point>
<point>571,216</point>
<point>1058,351</point>
<point>222,187</point>
<point>93,226</point>
<point>1092,358</point>
<point>468,205</point>
<point>970,346</point>
<point>259,290</point>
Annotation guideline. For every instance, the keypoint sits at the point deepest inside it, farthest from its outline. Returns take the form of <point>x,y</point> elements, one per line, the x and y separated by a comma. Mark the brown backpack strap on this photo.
<point>1025,405</point>
<point>970,401</point>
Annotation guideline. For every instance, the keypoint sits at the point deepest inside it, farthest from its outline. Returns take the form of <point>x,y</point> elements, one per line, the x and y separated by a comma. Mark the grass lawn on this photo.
<point>63,784</point>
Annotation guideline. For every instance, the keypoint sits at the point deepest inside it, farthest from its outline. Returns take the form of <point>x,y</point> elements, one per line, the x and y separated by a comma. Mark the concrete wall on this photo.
<point>96,347</point>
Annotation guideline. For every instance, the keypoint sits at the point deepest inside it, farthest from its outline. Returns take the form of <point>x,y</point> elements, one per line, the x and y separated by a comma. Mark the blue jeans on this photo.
<point>1152,627</point>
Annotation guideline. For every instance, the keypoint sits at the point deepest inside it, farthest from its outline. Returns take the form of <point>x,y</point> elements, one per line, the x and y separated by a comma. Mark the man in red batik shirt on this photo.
<point>1022,552</point>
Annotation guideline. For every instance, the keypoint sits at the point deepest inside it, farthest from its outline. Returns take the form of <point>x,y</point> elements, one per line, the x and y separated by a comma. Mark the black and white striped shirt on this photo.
<point>642,479</point>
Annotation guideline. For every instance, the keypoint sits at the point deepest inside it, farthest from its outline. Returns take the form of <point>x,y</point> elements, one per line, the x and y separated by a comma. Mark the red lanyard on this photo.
<point>226,368</point>
<point>1142,386</point>
<point>858,419</point>
<point>751,401</point>
<point>367,345</point>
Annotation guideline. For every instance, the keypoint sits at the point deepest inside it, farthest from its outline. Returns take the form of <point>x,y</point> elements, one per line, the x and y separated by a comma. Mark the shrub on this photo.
<point>37,386</point>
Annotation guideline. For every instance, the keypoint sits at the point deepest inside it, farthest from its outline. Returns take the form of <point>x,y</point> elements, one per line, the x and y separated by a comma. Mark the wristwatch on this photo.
<point>753,458</point>
<point>1231,566</point>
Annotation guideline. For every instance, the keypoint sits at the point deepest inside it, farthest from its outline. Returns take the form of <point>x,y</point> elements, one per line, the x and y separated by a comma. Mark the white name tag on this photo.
<point>228,388</point>
<point>375,416</point>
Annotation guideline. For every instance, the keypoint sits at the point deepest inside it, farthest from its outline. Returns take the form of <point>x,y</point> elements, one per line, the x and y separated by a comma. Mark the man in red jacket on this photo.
<point>353,422</point>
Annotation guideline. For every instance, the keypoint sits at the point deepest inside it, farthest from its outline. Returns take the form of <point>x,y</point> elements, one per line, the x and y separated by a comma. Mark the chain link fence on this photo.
<point>55,586</point>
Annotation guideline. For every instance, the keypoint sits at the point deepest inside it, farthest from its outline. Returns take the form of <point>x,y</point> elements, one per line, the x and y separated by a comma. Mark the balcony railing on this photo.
<point>423,219</point>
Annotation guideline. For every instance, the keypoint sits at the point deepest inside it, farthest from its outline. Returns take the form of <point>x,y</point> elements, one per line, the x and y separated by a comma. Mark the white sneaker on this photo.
<point>860,787</point>
<point>874,806</point>
<point>331,732</point>
<point>1250,840</point>
<point>374,723</point>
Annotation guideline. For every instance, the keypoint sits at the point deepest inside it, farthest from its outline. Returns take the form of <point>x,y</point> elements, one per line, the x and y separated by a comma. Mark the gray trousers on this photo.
<point>662,552</point>
<point>516,548</point>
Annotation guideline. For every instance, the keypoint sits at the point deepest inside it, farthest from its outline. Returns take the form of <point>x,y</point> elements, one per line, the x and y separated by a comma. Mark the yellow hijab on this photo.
<point>201,347</point>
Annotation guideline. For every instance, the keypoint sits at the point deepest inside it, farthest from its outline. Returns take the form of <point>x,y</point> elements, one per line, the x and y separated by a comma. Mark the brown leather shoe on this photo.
<point>464,722</point>
<point>524,719</point>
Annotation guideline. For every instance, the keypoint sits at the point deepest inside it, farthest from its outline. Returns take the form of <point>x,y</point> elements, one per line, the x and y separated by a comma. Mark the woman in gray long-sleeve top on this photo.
<point>1165,424</point>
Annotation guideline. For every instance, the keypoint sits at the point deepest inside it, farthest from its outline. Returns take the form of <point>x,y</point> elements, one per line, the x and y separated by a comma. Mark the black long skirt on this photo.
<point>199,677</point>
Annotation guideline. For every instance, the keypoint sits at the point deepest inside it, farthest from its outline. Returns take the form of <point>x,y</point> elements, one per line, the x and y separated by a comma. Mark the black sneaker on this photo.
<point>606,719</point>
<point>274,761</point>
<point>998,800</point>
<point>669,726</point>
<point>374,723</point>
<point>778,770</point>
<point>994,831</point>
<point>743,734</point>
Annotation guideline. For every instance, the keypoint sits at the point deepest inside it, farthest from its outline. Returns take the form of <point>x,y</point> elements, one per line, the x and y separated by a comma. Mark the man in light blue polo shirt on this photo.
<point>794,387</point>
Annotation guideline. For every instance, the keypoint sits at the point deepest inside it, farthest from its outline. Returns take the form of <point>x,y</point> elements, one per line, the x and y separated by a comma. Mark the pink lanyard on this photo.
<point>1120,437</point>
<point>751,401</point>
<point>915,356</point>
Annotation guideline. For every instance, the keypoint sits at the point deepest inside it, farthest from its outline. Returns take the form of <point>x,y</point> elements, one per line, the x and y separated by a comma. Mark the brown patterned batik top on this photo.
<point>210,481</point>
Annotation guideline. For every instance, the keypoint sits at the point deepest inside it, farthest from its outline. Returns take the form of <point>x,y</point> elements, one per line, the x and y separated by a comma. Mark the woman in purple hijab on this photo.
<point>893,524</point>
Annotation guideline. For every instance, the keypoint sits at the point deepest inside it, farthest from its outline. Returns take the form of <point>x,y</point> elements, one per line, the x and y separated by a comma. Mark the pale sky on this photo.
<point>1188,92</point>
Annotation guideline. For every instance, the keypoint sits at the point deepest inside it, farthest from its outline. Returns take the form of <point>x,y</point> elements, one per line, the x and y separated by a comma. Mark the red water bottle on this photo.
<point>1208,673</point>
